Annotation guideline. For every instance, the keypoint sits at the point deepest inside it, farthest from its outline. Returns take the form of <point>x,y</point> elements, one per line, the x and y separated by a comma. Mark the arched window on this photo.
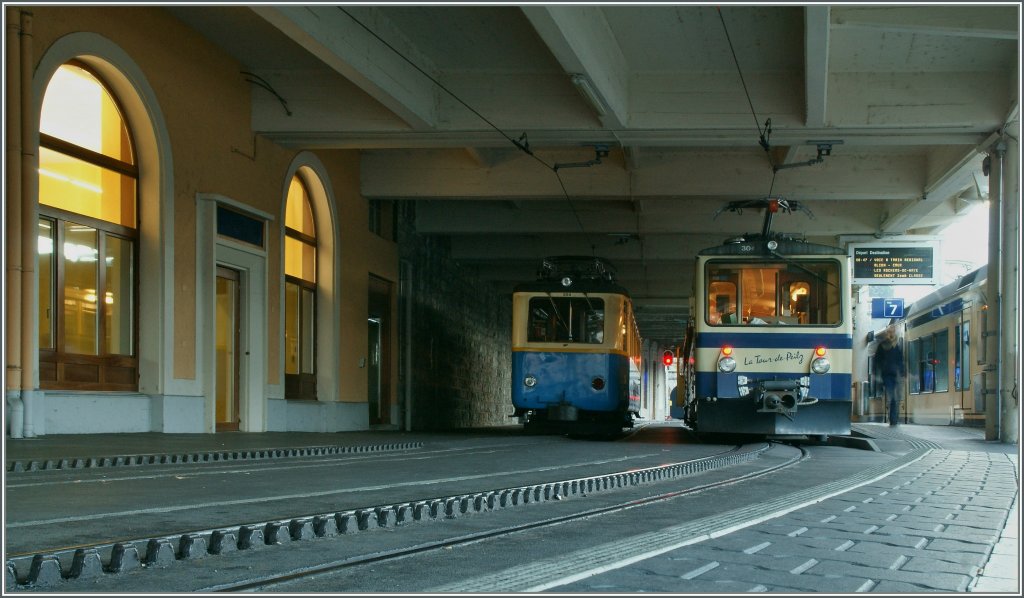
<point>299,294</point>
<point>88,237</point>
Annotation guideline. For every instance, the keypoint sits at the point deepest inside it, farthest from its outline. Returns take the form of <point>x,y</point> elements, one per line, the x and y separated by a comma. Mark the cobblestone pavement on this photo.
<point>945,523</point>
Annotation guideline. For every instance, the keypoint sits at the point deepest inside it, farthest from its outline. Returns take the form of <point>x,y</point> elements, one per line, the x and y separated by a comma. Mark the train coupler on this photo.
<point>777,396</point>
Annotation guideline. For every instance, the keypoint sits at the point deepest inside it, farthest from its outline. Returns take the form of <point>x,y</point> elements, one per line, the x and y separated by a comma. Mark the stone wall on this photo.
<point>461,337</point>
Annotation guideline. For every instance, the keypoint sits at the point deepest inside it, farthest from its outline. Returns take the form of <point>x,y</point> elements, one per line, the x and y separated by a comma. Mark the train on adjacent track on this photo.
<point>944,348</point>
<point>768,345</point>
<point>575,349</point>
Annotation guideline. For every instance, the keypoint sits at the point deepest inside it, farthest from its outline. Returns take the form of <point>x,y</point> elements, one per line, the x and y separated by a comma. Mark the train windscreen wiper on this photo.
<point>558,316</point>
<point>802,267</point>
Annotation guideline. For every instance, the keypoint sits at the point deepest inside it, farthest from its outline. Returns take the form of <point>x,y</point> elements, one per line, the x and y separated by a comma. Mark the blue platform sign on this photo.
<point>882,307</point>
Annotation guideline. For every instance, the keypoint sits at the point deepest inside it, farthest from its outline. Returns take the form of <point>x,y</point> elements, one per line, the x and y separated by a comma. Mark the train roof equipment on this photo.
<point>575,274</point>
<point>767,242</point>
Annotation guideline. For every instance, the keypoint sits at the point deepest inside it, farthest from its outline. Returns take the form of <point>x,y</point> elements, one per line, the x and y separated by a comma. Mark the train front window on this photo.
<point>566,320</point>
<point>788,294</point>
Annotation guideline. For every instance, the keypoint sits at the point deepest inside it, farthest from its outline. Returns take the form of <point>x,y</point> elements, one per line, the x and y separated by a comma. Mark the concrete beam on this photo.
<point>713,137</point>
<point>816,29</point>
<point>581,40</point>
<point>942,187</point>
<point>993,22</point>
<point>532,248</point>
<point>736,174</point>
<point>613,223</point>
<point>347,47</point>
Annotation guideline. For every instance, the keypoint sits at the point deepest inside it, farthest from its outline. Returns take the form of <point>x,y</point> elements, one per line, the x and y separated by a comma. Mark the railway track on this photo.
<point>270,583</point>
<point>83,562</point>
<point>546,574</point>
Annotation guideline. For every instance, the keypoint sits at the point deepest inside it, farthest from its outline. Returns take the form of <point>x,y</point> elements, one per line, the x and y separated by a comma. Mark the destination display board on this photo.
<point>894,263</point>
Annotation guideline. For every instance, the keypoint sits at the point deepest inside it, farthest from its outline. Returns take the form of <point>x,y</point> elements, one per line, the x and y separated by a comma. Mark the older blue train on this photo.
<point>575,349</point>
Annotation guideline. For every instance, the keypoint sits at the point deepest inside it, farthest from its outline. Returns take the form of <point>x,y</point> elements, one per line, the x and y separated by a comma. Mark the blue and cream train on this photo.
<point>575,349</point>
<point>768,349</point>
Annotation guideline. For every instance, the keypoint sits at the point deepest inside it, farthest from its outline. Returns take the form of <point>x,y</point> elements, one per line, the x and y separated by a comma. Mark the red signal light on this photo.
<point>667,358</point>
<point>819,352</point>
<point>727,350</point>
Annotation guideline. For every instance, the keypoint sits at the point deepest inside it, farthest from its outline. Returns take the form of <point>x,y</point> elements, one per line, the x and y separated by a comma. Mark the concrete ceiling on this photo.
<point>472,112</point>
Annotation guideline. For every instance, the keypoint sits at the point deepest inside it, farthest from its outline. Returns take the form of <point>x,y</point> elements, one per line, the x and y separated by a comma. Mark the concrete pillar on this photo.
<point>13,315</point>
<point>29,243</point>
<point>1009,315</point>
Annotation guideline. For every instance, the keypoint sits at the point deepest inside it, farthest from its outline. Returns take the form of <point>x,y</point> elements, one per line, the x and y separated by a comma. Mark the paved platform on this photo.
<point>1001,572</point>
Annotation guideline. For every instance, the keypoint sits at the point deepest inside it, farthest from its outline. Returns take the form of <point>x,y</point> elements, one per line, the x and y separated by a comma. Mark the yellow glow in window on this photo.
<point>83,188</point>
<point>297,214</point>
<point>78,109</point>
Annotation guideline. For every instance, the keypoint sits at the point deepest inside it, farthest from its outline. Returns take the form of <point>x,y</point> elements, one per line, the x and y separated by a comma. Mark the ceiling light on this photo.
<point>588,92</point>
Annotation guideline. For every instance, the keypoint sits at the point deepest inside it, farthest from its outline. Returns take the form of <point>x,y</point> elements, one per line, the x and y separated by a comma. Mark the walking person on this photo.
<point>889,364</point>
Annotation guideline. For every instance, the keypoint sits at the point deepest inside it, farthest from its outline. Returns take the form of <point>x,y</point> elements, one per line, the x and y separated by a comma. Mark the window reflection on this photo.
<point>81,272</point>
<point>292,326</point>
<point>117,298</point>
<point>45,284</point>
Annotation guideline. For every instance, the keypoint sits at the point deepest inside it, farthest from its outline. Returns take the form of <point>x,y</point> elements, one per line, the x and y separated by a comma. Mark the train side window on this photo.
<point>940,361</point>
<point>928,363</point>
<point>913,366</point>
<point>925,366</point>
<point>962,357</point>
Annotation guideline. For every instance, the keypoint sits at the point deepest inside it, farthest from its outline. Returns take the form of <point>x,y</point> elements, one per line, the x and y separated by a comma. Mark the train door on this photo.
<point>379,351</point>
<point>227,348</point>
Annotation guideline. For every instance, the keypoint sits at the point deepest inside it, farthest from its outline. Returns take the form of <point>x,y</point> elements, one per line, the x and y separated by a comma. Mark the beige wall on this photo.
<point>205,102</point>
<point>360,253</point>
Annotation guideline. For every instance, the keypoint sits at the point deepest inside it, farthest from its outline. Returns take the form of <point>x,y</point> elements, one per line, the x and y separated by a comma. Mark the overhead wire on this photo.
<point>522,143</point>
<point>766,133</point>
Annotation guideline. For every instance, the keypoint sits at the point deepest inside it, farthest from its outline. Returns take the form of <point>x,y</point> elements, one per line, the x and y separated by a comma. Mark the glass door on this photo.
<point>227,348</point>
<point>373,370</point>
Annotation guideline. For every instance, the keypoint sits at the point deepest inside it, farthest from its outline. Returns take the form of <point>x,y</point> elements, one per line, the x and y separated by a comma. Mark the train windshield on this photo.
<point>566,320</point>
<point>795,293</point>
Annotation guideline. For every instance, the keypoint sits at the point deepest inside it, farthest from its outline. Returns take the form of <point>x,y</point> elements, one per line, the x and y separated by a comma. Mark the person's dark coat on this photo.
<point>889,361</point>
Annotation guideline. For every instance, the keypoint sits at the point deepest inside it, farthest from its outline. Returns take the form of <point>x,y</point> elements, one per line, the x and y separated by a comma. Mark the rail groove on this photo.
<point>24,465</point>
<point>49,569</point>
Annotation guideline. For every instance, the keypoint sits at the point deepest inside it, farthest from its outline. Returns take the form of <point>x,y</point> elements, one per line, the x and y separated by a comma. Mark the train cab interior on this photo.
<point>566,319</point>
<point>773,294</point>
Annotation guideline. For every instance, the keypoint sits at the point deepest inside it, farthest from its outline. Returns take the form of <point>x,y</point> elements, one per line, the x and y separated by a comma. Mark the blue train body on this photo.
<point>567,379</point>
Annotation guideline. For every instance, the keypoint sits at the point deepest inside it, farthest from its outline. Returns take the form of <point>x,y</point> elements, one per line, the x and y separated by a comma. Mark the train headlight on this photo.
<point>821,365</point>
<point>597,383</point>
<point>566,282</point>
<point>726,364</point>
<point>530,381</point>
